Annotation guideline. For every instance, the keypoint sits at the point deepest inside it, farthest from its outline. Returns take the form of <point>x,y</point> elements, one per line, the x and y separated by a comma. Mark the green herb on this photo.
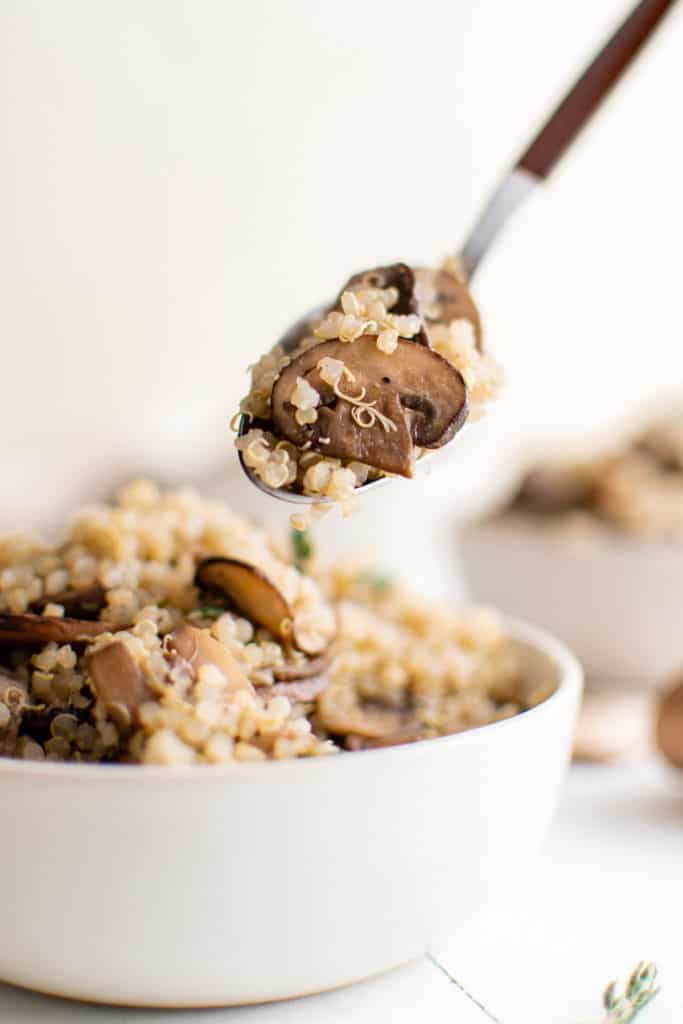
<point>376,581</point>
<point>641,988</point>
<point>209,611</point>
<point>302,547</point>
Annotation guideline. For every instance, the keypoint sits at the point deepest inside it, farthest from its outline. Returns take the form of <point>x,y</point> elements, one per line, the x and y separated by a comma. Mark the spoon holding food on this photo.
<point>360,389</point>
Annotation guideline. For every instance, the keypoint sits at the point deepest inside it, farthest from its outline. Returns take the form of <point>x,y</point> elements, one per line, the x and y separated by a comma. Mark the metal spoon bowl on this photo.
<point>287,342</point>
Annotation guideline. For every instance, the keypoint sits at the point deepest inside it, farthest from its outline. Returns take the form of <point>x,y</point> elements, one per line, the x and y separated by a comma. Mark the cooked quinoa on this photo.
<point>392,369</point>
<point>167,630</point>
<point>636,490</point>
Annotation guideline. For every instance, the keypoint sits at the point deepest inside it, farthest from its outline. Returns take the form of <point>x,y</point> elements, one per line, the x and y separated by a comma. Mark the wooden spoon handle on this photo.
<point>585,96</point>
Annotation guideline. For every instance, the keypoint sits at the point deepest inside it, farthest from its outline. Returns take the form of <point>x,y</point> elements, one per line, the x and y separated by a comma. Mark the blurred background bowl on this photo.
<point>222,885</point>
<point>616,602</point>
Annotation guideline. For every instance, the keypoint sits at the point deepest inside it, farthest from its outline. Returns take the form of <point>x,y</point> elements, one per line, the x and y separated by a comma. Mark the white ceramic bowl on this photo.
<point>616,602</point>
<point>213,886</point>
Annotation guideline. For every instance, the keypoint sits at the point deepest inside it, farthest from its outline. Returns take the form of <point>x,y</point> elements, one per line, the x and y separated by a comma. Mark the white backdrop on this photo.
<point>180,178</point>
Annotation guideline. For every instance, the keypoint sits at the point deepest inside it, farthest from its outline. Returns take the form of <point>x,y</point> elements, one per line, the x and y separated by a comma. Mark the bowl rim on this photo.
<point>567,694</point>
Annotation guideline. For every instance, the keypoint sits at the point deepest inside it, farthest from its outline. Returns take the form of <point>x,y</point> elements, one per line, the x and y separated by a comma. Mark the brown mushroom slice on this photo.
<point>36,721</point>
<point>409,733</point>
<point>81,603</point>
<point>553,489</point>
<point>9,734</point>
<point>441,298</point>
<point>41,629</point>
<point>299,690</point>
<point>340,713</point>
<point>265,743</point>
<point>669,730</point>
<point>387,450</point>
<point>292,671</point>
<point>413,396</point>
<point>118,682</point>
<point>399,276</point>
<point>250,590</point>
<point>199,648</point>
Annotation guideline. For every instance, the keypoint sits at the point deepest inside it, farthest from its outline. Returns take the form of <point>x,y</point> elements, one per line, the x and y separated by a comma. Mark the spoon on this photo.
<point>532,168</point>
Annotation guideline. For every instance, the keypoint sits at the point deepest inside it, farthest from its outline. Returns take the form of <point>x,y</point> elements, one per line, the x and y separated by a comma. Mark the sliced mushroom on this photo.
<point>260,600</point>
<point>292,671</point>
<point>250,590</point>
<point>553,489</point>
<point>408,733</point>
<point>118,681</point>
<point>298,690</point>
<point>36,721</point>
<point>441,298</point>
<point>437,295</point>
<point>669,729</point>
<point>399,276</point>
<point>9,733</point>
<point>83,603</point>
<point>340,713</point>
<point>199,648</point>
<point>413,396</point>
<point>265,743</point>
<point>663,441</point>
<point>41,629</point>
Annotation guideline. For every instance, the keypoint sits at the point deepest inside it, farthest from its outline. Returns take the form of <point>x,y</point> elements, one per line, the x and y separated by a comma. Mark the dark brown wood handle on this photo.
<point>593,85</point>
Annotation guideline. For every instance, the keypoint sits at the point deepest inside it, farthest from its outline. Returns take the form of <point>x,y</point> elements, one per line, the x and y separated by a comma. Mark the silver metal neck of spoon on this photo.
<point>513,189</point>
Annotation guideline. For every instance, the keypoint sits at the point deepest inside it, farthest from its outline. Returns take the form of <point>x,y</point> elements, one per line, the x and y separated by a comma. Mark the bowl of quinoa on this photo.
<point>165,629</point>
<point>231,773</point>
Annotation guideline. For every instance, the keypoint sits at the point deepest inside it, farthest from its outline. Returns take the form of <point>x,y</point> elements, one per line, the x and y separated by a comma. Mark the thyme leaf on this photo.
<point>641,988</point>
<point>377,581</point>
<point>207,611</point>
<point>302,547</point>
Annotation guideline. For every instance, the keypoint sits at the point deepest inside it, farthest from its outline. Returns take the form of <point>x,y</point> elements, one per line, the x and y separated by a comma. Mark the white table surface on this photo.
<point>608,892</point>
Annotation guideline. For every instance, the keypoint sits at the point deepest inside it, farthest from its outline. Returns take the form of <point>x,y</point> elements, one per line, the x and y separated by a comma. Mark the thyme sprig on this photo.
<point>377,581</point>
<point>302,548</point>
<point>640,989</point>
<point>208,611</point>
